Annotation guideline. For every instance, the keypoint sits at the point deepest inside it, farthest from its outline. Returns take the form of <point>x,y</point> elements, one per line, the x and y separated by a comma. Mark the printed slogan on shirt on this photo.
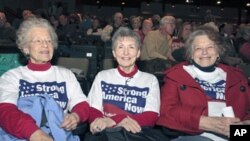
<point>127,98</point>
<point>213,90</point>
<point>53,89</point>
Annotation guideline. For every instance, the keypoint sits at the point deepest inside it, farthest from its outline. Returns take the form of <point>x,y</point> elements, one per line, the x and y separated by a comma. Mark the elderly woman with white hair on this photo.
<point>40,101</point>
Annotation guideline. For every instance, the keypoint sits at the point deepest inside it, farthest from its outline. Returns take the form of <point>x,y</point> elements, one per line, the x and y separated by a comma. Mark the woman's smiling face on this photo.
<point>40,47</point>
<point>126,52</point>
<point>204,51</point>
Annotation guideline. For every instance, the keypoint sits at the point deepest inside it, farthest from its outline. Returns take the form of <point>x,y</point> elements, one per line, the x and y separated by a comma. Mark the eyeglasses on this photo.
<point>40,42</point>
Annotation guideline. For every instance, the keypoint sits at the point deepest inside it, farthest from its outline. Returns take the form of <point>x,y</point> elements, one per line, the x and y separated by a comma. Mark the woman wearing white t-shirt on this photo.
<point>37,40</point>
<point>124,96</point>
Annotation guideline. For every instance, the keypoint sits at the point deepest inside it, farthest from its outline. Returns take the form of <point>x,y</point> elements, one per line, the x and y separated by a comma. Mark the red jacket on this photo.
<point>183,100</point>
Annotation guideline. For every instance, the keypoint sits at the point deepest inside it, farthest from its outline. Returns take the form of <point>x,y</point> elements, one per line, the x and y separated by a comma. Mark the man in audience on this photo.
<point>147,25</point>
<point>156,48</point>
<point>65,30</point>
<point>109,29</point>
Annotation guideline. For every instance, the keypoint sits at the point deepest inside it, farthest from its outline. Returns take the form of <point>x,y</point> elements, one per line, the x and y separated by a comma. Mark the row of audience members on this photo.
<point>188,107</point>
<point>162,47</point>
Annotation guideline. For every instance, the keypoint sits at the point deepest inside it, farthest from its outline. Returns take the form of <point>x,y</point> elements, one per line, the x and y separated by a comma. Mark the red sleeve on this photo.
<point>140,118</point>
<point>15,122</point>
<point>146,118</point>
<point>118,118</point>
<point>93,114</point>
<point>82,110</point>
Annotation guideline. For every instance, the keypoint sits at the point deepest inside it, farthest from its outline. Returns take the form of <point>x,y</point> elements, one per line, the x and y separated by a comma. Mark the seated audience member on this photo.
<point>26,14</point>
<point>54,22</point>
<point>7,31</point>
<point>114,91</point>
<point>243,42</point>
<point>156,19</point>
<point>228,37</point>
<point>17,19</point>
<point>147,25</point>
<point>241,36</point>
<point>85,23</point>
<point>178,52</point>
<point>95,28</point>
<point>40,102</point>
<point>66,30</point>
<point>110,29</point>
<point>196,92</point>
<point>156,49</point>
<point>135,23</point>
<point>74,19</point>
<point>185,29</point>
<point>209,17</point>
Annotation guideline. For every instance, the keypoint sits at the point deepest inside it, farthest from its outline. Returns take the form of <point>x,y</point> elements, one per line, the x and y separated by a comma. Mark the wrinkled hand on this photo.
<point>70,121</point>
<point>100,124</point>
<point>220,125</point>
<point>130,125</point>
<point>39,135</point>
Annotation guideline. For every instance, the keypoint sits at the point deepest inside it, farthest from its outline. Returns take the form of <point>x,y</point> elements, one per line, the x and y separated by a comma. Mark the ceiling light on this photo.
<point>189,1</point>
